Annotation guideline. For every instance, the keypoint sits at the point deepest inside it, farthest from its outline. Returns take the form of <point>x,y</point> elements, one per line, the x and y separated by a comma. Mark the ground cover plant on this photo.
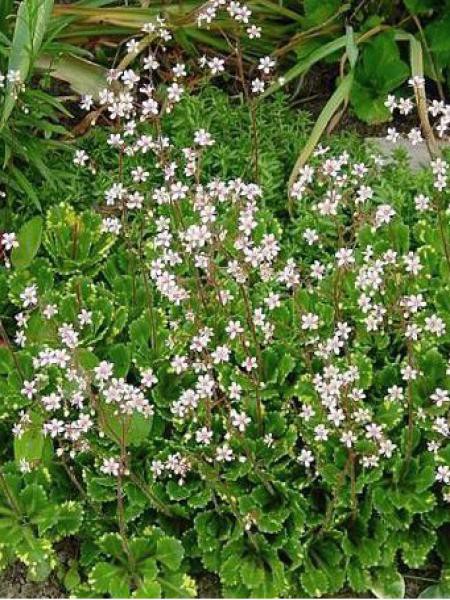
<point>222,355</point>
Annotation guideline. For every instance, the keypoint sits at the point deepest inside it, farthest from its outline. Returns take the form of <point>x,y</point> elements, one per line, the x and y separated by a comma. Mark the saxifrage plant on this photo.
<point>194,385</point>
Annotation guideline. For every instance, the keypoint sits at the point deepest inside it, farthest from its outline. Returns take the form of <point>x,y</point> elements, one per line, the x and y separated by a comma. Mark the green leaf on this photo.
<point>437,34</point>
<point>30,445</point>
<point>419,6</point>
<point>148,589</point>
<point>379,71</point>
<point>433,366</point>
<point>69,518</point>
<point>252,572</point>
<point>29,238</point>
<point>387,583</point>
<point>169,551</point>
<point>33,499</point>
<point>399,235</point>
<point>358,577</point>
<point>177,585</point>
<point>315,582</point>
<point>120,355</point>
<point>111,544</point>
<point>229,569</point>
<point>102,574</point>
<point>133,429</point>
<point>6,360</point>
<point>72,577</point>
<point>318,11</point>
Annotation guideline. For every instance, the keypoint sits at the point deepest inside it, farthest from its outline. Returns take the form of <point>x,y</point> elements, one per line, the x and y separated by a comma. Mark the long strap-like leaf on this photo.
<point>339,96</point>
<point>31,23</point>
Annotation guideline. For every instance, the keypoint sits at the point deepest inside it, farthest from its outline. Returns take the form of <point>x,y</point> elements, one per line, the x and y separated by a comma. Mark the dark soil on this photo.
<point>14,584</point>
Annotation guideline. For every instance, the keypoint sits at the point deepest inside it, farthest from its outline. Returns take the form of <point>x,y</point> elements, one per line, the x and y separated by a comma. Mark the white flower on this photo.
<point>81,158</point>
<point>53,428</point>
<point>310,322</point>
<point>250,363</point>
<point>179,70</point>
<point>387,448</point>
<point>68,335</point>
<point>111,225</point>
<point>412,263</point>
<point>150,64</point>
<point>235,391</point>
<point>224,453</point>
<point>392,135</point>
<point>405,106</point>
<point>239,420</point>
<point>435,325</point>
<point>395,393</point>
<point>52,402</point>
<point>443,474</point>
<point>436,107</point>
<point>374,431</point>
<point>85,317</point>
<point>258,86</point>
<point>110,466</point>
<point>384,214</point>
<point>345,257</point>
<point>148,378</point>
<point>203,436</point>
<point>306,458</point>
<point>130,78</point>
<point>254,32</point>
<point>203,138</point>
<point>103,371</point>
<point>320,433</point>
<point>268,440</point>
<point>221,355</point>
<point>9,241</point>
<point>266,64</point>
<point>87,102</point>
<point>132,46</point>
<point>416,81</point>
<point>422,202</point>
<point>50,311</point>
<point>415,136</point>
<point>174,92</point>
<point>311,236</point>
<point>348,438</point>
<point>409,373</point>
<point>179,364</point>
<point>391,103</point>
<point>29,389</point>
<point>24,466</point>
<point>307,412</point>
<point>29,296</point>
<point>440,396</point>
<point>157,468</point>
<point>216,65</point>
<point>272,301</point>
